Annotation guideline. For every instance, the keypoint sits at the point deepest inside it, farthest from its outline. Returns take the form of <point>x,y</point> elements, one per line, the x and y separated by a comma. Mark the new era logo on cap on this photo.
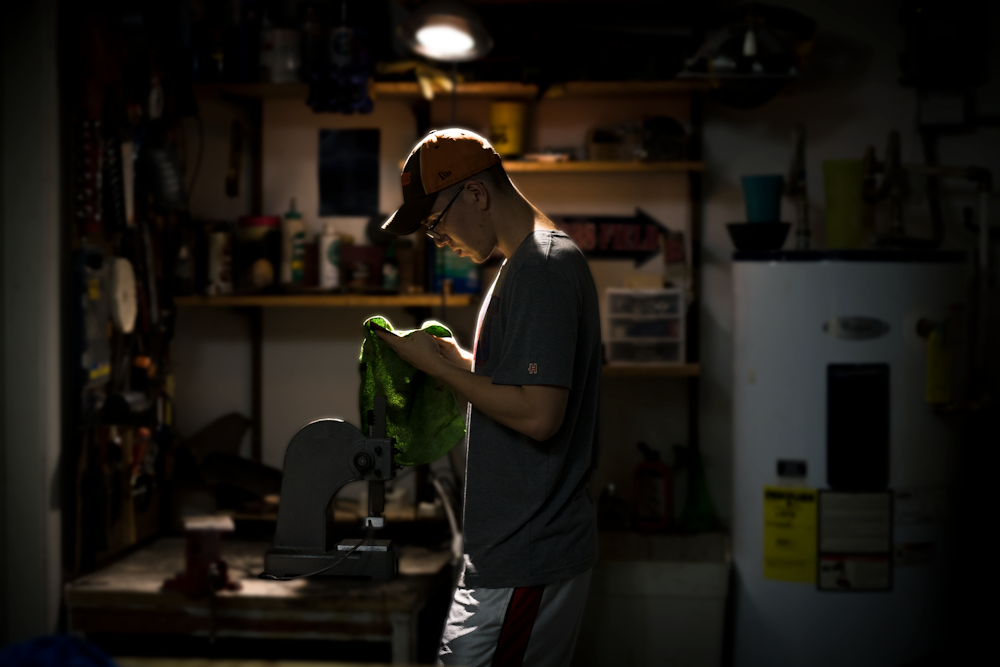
<point>444,174</point>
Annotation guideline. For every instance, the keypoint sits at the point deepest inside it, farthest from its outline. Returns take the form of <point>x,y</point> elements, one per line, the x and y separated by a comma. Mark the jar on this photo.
<point>258,251</point>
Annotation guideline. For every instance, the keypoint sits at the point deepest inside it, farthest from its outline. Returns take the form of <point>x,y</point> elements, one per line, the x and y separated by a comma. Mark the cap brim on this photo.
<point>408,217</point>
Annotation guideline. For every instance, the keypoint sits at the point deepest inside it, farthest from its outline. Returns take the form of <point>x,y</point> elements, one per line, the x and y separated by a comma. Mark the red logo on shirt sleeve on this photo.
<point>533,369</point>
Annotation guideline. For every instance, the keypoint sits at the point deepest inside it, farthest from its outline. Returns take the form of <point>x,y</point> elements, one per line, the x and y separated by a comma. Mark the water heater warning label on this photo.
<point>790,534</point>
<point>855,541</point>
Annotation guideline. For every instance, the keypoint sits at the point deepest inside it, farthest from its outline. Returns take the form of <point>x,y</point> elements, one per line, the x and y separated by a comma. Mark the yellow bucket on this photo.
<point>507,128</point>
<point>842,182</point>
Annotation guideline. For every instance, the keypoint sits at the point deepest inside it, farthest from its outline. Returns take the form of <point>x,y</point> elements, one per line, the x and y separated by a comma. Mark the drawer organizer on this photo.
<point>644,326</point>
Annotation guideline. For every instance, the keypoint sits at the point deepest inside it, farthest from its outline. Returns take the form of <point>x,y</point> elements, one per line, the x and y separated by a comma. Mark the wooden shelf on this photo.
<point>257,90</point>
<point>326,300</point>
<point>573,89</point>
<point>594,166</point>
<point>622,88</point>
<point>652,370</point>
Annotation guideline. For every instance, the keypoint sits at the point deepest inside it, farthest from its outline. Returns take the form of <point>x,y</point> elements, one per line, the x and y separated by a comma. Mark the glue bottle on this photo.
<point>651,484</point>
<point>293,247</point>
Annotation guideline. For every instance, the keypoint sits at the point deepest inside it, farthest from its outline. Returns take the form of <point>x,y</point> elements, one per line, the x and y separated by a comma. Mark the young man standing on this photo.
<point>533,381</point>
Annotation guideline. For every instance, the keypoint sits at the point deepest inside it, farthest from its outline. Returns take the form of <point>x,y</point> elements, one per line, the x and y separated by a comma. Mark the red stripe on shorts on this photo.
<point>517,626</point>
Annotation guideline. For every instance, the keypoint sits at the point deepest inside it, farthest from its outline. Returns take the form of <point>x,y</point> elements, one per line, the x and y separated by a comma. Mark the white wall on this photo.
<point>30,419</point>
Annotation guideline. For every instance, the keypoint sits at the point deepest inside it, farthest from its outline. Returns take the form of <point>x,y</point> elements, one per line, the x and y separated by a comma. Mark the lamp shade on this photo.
<point>447,31</point>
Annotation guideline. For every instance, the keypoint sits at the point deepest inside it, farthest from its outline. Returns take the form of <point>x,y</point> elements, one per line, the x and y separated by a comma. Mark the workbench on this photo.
<point>126,598</point>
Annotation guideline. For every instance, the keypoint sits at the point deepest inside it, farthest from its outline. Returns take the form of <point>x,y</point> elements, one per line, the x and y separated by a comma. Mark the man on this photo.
<point>533,382</point>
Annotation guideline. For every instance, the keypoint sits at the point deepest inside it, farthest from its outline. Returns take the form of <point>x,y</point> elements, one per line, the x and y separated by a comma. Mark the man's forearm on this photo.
<point>503,403</point>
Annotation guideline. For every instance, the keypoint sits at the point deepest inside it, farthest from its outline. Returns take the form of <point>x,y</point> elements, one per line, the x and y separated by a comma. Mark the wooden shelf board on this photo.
<point>594,166</point>
<point>326,300</point>
<point>572,89</point>
<point>627,370</point>
<point>624,88</point>
<point>257,90</point>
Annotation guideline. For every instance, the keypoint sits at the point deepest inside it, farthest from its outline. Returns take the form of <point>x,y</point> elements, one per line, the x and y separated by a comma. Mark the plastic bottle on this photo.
<point>220,260</point>
<point>293,247</point>
<point>329,257</point>
<point>653,491</point>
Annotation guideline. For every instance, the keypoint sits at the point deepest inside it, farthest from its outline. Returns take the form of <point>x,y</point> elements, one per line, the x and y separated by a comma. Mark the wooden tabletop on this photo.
<point>135,583</point>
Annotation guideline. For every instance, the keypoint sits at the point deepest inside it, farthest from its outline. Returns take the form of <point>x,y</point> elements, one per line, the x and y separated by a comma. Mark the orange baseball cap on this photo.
<point>441,159</point>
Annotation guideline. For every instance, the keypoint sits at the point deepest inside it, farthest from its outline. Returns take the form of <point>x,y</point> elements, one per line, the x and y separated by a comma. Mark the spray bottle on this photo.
<point>329,257</point>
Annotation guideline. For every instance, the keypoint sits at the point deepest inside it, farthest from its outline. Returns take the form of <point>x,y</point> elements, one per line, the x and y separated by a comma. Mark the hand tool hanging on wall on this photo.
<point>92,286</point>
<point>113,197</point>
<point>88,181</point>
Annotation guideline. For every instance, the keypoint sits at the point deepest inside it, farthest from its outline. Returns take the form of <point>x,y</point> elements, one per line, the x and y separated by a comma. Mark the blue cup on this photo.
<point>763,197</point>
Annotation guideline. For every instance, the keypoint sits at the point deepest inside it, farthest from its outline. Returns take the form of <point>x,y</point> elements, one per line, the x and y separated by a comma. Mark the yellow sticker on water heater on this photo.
<point>790,534</point>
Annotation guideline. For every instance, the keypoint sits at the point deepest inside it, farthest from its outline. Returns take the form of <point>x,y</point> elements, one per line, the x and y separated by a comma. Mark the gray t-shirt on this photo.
<point>529,517</point>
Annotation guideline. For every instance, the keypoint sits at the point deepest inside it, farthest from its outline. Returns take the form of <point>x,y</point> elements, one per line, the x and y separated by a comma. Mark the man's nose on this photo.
<point>441,241</point>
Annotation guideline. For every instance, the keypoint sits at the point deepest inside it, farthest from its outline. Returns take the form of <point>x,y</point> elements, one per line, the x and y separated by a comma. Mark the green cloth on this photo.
<point>422,413</point>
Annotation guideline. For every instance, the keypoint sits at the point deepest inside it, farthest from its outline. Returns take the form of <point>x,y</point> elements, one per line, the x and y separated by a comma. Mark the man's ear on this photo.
<point>481,194</point>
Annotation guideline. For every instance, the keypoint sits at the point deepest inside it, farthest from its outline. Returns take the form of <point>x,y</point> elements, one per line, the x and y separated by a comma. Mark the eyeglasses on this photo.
<point>440,217</point>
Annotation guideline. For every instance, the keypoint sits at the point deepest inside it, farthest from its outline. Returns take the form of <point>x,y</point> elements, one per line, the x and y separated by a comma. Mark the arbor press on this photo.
<point>321,458</point>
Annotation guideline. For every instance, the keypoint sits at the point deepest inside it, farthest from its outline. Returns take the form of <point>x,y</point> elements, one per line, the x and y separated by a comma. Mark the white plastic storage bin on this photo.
<point>656,600</point>
<point>644,326</point>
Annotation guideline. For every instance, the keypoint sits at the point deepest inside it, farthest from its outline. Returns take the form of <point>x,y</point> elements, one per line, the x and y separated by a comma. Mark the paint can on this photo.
<point>507,128</point>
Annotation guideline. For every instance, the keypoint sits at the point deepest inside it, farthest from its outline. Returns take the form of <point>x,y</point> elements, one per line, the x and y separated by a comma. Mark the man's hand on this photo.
<point>450,350</point>
<point>419,349</point>
<point>535,410</point>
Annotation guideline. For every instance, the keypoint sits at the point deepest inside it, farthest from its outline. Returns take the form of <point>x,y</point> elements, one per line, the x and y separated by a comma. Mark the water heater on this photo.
<point>841,466</point>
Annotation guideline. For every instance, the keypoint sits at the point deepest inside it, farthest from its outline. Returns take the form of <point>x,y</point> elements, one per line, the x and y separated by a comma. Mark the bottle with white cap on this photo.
<point>329,257</point>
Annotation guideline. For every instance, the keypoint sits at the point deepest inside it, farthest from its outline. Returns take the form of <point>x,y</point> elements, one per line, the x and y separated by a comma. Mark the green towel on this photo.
<point>421,412</point>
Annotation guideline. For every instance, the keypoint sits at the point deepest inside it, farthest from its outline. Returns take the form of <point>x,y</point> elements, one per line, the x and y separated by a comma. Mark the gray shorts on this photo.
<point>510,627</point>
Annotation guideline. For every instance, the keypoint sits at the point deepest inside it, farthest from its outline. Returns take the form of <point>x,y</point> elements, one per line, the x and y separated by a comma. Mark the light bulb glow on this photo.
<point>444,41</point>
